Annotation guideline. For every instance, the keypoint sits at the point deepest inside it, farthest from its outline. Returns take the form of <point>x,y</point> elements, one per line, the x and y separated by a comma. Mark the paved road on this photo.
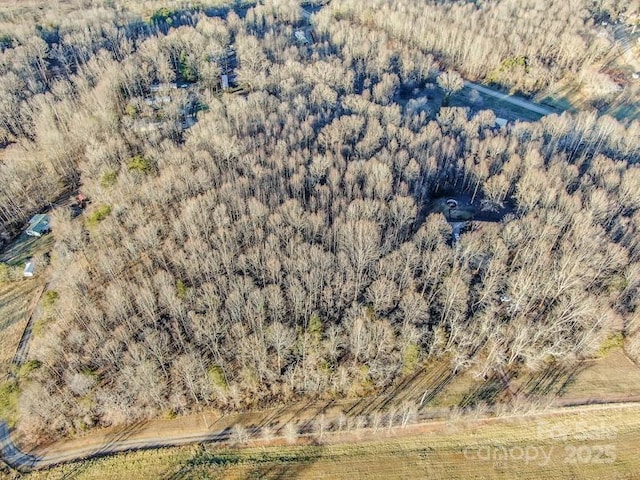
<point>512,99</point>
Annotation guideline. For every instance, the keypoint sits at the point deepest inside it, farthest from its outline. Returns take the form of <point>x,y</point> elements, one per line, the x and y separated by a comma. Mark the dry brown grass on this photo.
<point>16,299</point>
<point>612,377</point>
<point>572,442</point>
<point>613,374</point>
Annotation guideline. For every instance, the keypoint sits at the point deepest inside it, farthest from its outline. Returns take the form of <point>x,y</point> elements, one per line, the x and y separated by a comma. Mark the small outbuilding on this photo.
<point>29,269</point>
<point>38,225</point>
<point>301,37</point>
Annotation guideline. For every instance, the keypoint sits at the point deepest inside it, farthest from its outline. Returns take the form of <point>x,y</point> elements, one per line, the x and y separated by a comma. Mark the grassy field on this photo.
<point>25,247</point>
<point>592,442</point>
<point>612,376</point>
<point>16,299</point>
<point>18,294</point>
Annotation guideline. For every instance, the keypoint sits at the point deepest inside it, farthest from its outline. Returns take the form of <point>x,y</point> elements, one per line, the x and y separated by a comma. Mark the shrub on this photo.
<point>27,368</point>
<point>217,377</point>
<point>108,179</point>
<point>4,272</point>
<point>162,15</point>
<point>50,298</point>
<point>9,392</point>
<point>315,327</point>
<point>181,289</point>
<point>139,164</point>
<point>131,110</point>
<point>98,215</point>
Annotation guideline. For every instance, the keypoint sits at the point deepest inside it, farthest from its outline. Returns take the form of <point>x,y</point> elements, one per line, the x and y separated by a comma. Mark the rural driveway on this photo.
<point>12,455</point>
<point>23,346</point>
<point>21,461</point>
<point>512,99</point>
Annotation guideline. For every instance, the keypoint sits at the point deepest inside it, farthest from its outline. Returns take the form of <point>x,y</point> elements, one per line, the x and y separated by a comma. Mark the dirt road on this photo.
<point>512,99</point>
<point>127,440</point>
<point>23,346</point>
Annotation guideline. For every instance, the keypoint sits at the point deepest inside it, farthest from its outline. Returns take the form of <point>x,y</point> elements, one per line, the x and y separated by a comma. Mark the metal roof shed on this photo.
<point>38,225</point>
<point>29,269</point>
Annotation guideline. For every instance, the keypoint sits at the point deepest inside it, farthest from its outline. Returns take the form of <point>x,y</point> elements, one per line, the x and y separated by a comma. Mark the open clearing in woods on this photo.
<point>18,297</point>
<point>15,300</point>
<point>586,442</point>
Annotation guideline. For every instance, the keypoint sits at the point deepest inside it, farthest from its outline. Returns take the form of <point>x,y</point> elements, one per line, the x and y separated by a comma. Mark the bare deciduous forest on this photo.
<point>277,242</point>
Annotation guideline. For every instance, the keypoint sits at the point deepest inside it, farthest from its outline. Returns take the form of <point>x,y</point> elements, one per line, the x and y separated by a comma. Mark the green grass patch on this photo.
<point>108,179</point>
<point>98,215</point>
<point>9,393</point>
<point>217,377</point>
<point>611,343</point>
<point>139,164</point>
<point>27,368</point>
<point>410,357</point>
<point>50,298</point>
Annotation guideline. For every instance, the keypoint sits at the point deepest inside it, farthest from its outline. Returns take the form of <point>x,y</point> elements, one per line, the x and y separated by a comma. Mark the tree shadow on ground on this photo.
<point>23,248</point>
<point>419,388</point>
<point>553,380</point>
<point>487,392</point>
<point>265,464</point>
<point>103,450</point>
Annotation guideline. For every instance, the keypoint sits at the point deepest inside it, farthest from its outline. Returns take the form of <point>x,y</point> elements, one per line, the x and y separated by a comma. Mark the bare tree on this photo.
<point>450,82</point>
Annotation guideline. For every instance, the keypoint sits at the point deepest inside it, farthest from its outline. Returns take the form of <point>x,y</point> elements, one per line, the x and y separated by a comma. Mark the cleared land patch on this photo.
<point>16,298</point>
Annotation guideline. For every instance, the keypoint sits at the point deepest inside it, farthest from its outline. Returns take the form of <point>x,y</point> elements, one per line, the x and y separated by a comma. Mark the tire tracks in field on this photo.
<point>23,345</point>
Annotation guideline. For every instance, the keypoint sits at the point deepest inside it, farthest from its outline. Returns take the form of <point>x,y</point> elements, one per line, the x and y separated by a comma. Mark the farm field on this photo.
<point>586,442</point>
<point>432,389</point>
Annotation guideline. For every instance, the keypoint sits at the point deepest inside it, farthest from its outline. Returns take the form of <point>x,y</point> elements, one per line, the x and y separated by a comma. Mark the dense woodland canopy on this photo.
<point>282,245</point>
